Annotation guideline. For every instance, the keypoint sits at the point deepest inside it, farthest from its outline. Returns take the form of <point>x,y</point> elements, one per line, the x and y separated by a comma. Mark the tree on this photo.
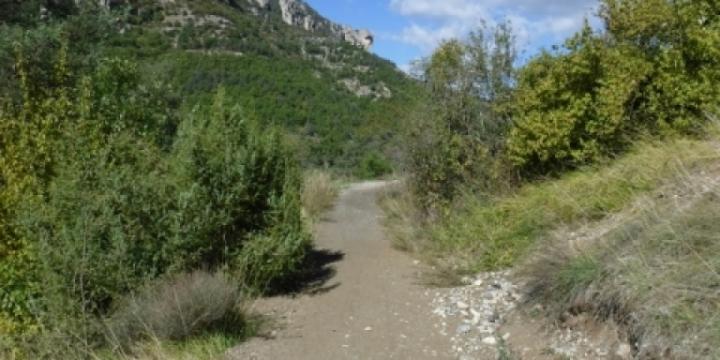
<point>458,137</point>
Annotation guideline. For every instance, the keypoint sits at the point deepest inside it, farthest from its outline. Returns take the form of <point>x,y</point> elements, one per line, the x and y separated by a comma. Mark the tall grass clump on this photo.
<point>319,193</point>
<point>179,307</point>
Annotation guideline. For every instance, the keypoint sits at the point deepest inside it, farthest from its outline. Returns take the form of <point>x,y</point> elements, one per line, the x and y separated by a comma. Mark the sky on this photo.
<point>406,30</point>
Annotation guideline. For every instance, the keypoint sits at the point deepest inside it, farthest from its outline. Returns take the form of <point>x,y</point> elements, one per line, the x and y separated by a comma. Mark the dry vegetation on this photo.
<point>653,268</point>
<point>180,307</point>
<point>319,193</point>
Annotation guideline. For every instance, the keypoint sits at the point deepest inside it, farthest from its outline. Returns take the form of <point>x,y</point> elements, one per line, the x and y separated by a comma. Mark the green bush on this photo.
<point>456,140</point>
<point>110,213</point>
<point>572,108</point>
<point>373,165</point>
<point>238,182</point>
<point>653,70</point>
<point>127,197</point>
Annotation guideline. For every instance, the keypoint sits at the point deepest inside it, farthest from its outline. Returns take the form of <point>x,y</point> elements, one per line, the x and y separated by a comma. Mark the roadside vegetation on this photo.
<point>152,172</point>
<point>589,170</point>
<point>113,200</point>
<point>319,193</point>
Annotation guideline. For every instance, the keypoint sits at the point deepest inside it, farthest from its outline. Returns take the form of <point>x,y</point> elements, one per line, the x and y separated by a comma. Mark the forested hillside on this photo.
<point>335,97</point>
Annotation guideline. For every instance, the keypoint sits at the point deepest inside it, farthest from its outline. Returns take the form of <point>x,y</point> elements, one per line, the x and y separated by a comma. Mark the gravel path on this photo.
<point>368,305</point>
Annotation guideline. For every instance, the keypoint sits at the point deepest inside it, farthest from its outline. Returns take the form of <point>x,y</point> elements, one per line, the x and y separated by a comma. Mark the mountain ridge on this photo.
<point>279,60</point>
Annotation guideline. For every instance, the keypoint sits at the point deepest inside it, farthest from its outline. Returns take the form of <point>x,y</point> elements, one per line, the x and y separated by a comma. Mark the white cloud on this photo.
<point>435,20</point>
<point>427,38</point>
<point>458,9</point>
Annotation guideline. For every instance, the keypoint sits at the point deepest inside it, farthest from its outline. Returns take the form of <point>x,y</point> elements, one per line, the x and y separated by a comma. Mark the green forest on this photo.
<point>143,159</point>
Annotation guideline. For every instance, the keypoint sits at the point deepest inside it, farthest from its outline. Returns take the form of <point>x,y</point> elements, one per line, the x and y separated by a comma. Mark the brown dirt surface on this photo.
<point>365,301</point>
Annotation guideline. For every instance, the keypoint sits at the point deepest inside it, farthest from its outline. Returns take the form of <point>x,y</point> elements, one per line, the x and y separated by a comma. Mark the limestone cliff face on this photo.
<point>295,13</point>
<point>298,13</point>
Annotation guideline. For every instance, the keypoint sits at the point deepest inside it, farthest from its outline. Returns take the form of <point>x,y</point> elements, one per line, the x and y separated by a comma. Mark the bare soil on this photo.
<point>365,301</point>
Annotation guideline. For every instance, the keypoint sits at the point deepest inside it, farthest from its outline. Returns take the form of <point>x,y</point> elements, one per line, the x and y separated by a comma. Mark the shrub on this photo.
<point>373,165</point>
<point>237,182</point>
<point>652,71</point>
<point>67,179</point>
<point>456,140</point>
<point>110,212</point>
<point>179,307</point>
<point>129,199</point>
<point>572,108</point>
<point>271,258</point>
<point>319,193</point>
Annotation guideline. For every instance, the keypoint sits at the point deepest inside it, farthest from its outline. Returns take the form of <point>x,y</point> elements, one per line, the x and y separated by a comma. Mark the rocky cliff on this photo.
<point>298,13</point>
<point>293,12</point>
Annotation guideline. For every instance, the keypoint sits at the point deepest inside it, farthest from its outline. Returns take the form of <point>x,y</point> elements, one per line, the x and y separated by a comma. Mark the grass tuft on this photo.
<point>319,193</point>
<point>179,308</point>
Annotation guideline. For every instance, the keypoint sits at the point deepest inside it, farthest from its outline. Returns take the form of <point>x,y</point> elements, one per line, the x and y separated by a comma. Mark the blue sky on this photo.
<point>409,29</point>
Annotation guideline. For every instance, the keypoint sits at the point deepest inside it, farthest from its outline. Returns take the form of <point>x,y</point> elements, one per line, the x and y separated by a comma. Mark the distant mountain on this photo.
<point>279,59</point>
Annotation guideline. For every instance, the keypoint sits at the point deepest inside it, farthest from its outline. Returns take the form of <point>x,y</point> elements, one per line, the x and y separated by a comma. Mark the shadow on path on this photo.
<point>313,279</point>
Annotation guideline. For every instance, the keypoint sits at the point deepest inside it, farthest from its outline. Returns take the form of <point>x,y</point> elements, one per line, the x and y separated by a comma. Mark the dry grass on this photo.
<point>404,223</point>
<point>654,268</point>
<point>402,220</point>
<point>179,308</point>
<point>319,193</point>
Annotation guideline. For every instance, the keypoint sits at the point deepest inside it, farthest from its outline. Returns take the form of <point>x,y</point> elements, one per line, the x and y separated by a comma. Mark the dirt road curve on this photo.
<point>366,302</point>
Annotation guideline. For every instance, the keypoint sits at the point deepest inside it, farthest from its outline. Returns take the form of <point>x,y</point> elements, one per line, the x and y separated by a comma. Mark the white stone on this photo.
<point>624,352</point>
<point>490,340</point>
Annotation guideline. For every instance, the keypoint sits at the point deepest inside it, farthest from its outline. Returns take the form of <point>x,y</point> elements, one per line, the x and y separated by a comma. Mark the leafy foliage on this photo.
<point>130,192</point>
<point>654,70</point>
<point>373,165</point>
<point>573,108</point>
<point>242,199</point>
<point>457,139</point>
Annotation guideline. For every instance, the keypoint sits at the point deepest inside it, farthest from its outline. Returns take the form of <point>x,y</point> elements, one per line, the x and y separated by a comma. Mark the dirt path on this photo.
<point>367,304</point>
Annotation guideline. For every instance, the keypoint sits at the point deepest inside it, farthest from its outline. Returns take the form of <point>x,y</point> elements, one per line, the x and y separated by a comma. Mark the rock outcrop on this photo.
<point>298,13</point>
<point>295,13</point>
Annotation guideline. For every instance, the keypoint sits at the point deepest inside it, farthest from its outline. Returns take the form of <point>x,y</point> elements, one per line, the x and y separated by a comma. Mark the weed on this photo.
<point>178,308</point>
<point>319,193</point>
